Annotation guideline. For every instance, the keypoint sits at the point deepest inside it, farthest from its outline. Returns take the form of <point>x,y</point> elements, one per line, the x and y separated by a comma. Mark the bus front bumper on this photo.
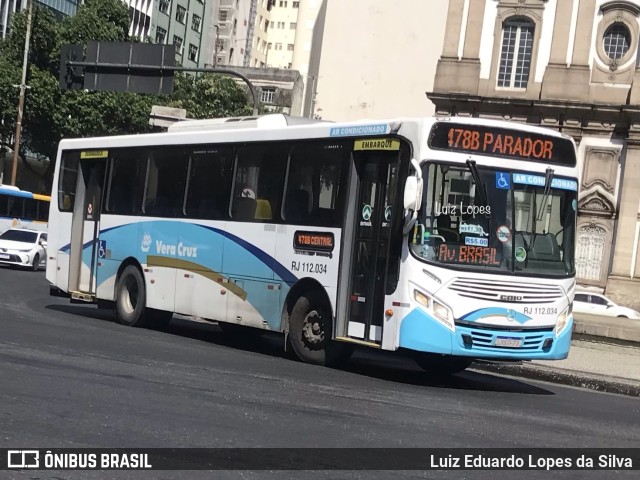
<point>422,333</point>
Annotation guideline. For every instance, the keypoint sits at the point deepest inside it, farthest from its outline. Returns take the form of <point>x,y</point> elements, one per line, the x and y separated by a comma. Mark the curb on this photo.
<point>564,377</point>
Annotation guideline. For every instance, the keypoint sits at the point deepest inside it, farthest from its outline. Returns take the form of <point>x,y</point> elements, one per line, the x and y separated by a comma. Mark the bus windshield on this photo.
<point>522,228</point>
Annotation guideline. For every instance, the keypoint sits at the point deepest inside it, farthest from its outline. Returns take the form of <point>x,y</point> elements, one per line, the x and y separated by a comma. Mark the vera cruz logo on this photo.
<point>146,243</point>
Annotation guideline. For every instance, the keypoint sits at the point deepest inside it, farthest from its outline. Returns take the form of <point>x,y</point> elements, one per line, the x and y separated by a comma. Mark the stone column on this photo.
<point>628,216</point>
<point>561,28</point>
<point>453,29</point>
<point>474,25</point>
<point>584,28</point>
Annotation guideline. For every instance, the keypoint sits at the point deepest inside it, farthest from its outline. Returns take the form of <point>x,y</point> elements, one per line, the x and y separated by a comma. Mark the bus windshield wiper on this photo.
<point>547,191</point>
<point>480,189</point>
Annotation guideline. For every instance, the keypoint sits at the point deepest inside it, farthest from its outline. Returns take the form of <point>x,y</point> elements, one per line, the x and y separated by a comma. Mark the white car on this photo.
<point>24,248</point>
<point>596,304</point>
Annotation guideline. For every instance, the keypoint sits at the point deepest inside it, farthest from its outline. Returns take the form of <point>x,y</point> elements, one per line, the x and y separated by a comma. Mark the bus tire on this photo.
<point>131,298</point>
<point>310,332</point>
<point>441,365</point>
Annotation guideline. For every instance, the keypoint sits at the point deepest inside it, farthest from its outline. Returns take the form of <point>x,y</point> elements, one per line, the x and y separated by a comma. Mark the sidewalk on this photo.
<point>604,356</point>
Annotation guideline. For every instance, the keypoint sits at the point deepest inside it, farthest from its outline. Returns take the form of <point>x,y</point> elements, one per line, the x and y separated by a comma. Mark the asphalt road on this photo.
<point>71,377</point>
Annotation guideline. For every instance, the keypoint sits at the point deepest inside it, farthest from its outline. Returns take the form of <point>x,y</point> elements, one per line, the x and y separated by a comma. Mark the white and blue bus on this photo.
<point>451,238</point>
<point>22,209</point>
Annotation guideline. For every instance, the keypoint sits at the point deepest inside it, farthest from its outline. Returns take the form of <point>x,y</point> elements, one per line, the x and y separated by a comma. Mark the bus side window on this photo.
<point>126,183</point>
<point>68,181</point>
<point>4,205</point>
<point>16,207</point>
<point>30,209</point>
<point>259,182</point>
<point>209,186</point>
<point>166,178</point>
<point>313,194</point>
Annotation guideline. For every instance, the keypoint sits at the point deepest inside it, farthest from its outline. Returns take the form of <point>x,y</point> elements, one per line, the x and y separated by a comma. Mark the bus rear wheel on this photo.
<point>310,332</point>
<point>441,365</point>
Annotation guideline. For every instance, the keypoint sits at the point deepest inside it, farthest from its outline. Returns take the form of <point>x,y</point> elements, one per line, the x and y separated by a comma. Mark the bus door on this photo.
<point>90,198</point>
<point>376,185</point>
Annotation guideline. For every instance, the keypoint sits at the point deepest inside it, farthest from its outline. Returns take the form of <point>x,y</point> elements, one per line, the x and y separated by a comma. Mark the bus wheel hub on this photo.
<point>312,328</point>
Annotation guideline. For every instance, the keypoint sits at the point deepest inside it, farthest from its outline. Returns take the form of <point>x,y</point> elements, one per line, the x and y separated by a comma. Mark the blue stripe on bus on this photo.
<point>491,311</point>
<point>270,262</point>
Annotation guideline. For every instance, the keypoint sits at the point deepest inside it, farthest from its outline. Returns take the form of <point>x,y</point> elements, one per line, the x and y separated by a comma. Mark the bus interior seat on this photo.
<point>296,207</point>
<point>445,230</point>
<point>243,209</point>
<point>545,248</point>
<point>263,210</point>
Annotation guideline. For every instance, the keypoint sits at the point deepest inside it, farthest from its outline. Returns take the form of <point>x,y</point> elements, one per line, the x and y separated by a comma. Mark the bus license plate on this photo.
<point>512,342</point>
<point>5,256</point>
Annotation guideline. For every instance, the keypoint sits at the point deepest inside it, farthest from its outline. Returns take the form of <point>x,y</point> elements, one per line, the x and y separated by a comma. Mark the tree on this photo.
<point>209,96</point>
<point>100,20</point>
<point>51,114</point>
<point>44,41</point>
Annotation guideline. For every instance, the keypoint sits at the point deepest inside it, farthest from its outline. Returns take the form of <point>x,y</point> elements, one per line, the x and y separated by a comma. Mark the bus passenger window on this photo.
<point>313,193</point>
<point>126,185</point>
<point>68,181</point>
<point>259,182</point>
<point>210,171</point>
<point>4,205</point>
<point>165,182</point>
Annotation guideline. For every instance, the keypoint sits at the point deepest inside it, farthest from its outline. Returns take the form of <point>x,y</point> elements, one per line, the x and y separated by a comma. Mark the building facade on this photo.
<point>187,24</point>
<point>369,58</point>
<point>60,8</point>
<point>570,65</point>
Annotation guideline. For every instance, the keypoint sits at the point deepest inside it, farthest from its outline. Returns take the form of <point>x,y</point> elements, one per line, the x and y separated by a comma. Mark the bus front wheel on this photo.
<point>439,365</point>
<point>131,297</point>
<point>310,332</point>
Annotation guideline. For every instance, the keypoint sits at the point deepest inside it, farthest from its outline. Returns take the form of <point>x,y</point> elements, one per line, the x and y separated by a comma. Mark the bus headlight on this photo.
<point>439,310</point>
<point>563,319</point>
<point>422,299</point>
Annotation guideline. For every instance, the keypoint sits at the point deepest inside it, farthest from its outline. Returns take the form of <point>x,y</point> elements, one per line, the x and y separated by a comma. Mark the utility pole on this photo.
<point>23,87</point>
<point>215,47</point>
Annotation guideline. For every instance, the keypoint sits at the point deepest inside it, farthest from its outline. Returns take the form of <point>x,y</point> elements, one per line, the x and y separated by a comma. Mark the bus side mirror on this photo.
<point>413,193</point>
<point>413,188</point>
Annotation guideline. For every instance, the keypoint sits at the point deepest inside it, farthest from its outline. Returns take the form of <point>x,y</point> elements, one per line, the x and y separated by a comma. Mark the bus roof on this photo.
<point>16,192</point>
<point>280,127</point>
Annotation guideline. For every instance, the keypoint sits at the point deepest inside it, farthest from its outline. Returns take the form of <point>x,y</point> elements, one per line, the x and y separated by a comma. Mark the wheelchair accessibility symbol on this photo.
<point>503,181</point>
<point>102,250</point>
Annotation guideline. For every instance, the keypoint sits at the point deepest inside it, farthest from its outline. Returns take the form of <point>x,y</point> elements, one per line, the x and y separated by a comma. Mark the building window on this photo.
<point>293,25</point>
<point>290,47</point>
<point>177,41</point>
<point>222,15</point>
<point>181,13</point>
<point>196,22</point>
<point>281,25</point>
<point>617,40</point>
<point>267,95</point>
<point>516,52</point>
<point>219,45</point>
<point>278,46</point>
<point>193,52</point>
<point>283,3</point>
<point>164,6</point>
<point>161,35</point>
<point>296,4</point>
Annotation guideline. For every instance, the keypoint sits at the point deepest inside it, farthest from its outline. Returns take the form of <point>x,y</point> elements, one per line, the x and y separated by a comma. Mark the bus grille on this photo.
<point>508,292</point>
<point>486,339</point>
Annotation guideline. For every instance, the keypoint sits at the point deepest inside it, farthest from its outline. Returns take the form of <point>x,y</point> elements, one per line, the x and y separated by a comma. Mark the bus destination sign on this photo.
<point>468,255</point>
<point>502,142</point>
